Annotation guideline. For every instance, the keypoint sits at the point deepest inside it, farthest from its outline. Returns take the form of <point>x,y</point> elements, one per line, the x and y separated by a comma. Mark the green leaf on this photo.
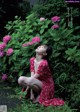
<point>71,51</point>
<point>20,73</point>
<point>41,31</point>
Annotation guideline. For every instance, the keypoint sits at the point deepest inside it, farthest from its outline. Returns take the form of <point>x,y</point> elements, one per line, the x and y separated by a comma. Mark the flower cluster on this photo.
<point>4,77</point>
<point>2,53</point>
<point>55,19</point>
<point>6,39</point>
<point>3,45</point>
<point>34,40</point>
<point>9,51</point>
<point>56,26</point>
<point>42,19</point>
<point>28,44</point>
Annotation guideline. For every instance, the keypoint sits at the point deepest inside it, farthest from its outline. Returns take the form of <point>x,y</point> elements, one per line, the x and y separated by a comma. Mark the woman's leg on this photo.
<point>23,81</point>
<point>32,97</point>
<point>33,83</point>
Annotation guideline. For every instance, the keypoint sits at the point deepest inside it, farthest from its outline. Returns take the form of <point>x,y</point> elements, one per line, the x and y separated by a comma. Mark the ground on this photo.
<point>10,96</point>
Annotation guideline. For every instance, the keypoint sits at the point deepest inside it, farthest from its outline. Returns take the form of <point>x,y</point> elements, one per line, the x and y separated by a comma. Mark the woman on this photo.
<point>41,81</point>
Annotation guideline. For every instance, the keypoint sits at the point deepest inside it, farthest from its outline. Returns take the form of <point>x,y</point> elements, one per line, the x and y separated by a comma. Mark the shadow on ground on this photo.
<point>7,96</point>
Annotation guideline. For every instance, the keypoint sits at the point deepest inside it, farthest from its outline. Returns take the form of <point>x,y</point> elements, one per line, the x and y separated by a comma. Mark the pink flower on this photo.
<point>56,26</point>
<point>7,38</point>
<point>36,39</point>
<point>42,19</point>
<point>2,46</point>
<point>1,53</point>
<point>29,43</point>
<point>24,45</point>
<point>4,77</point>
<point>55,19</point>
<point>9,51</point>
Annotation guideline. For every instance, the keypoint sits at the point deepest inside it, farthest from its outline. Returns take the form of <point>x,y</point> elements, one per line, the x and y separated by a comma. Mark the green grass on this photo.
<point>28,106</point>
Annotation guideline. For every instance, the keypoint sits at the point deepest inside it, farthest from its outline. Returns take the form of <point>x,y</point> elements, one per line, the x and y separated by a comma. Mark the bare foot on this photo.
<point>36,100</point>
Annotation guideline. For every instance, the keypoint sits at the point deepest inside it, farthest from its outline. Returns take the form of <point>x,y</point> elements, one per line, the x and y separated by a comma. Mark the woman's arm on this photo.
<point>35,75</point>
<point>32,74</point>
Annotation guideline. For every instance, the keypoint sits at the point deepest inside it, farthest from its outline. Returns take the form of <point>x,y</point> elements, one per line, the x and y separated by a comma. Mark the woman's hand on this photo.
<point>35,76</point>
<point>32,73</point>
<point>27,88</point>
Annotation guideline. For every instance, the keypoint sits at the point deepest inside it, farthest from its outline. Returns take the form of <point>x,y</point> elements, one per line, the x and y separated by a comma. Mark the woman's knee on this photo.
<point>20,80</point>
<point>31,81</point>
<point>34,83</point>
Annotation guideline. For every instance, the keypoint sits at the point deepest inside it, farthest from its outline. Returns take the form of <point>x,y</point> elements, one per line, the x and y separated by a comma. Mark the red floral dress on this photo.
<point>47,93</point>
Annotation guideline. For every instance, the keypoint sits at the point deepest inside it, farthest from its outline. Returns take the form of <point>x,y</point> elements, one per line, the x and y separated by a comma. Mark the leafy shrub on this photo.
<point>50,7</point>
<point>54,7</point>
<point>47,8</point>
<point>10,8</point>
<point>29,107</point>
<point>64,59</point>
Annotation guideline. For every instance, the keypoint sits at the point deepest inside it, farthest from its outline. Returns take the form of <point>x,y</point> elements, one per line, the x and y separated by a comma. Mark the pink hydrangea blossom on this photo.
<point>9,51</point>
<point>6,38</point>
<point>56,26</point>
<point>4,77</point>
<point>27,44</point>
<point>55,19</point>
<point>24,45</point>
<point>36,39</point>
<point>1,53</point>
<point>42,19</point>
<point>2,46</point>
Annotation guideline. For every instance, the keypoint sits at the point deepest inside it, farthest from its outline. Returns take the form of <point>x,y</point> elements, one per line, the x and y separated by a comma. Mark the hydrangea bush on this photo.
<point>24,36</point>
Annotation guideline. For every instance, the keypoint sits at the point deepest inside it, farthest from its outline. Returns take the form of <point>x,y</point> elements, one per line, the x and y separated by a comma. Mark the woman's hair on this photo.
<point>49,52</point>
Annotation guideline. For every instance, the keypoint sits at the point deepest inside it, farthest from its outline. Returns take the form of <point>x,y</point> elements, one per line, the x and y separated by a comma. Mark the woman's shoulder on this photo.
<point>45,62</point>
<point>32,58</point>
